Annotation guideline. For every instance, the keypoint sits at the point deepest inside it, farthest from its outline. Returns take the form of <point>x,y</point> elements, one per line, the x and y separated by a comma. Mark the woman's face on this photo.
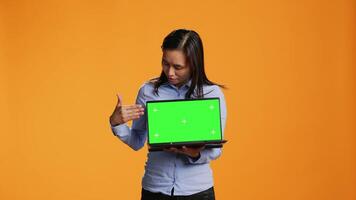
<point>175,67</point>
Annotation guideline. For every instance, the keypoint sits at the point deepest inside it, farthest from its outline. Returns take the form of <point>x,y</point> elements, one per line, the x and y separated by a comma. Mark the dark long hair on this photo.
<point>190,43</point>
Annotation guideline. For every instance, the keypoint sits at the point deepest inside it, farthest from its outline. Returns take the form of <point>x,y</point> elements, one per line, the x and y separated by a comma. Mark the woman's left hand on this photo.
<point>193,152</point>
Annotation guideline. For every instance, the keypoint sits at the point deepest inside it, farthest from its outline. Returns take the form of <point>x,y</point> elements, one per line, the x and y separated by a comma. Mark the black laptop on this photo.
<point>181,122</point>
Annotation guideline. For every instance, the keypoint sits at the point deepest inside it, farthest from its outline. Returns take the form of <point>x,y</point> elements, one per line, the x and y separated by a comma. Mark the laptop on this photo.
<point>181,122</point>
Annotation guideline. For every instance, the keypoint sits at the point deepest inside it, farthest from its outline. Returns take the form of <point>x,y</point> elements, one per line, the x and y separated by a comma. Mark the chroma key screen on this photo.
<point>183,120</point>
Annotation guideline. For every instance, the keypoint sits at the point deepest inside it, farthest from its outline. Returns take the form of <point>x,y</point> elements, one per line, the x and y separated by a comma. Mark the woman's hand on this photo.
<point>193,152</point>
<point>123,114</point>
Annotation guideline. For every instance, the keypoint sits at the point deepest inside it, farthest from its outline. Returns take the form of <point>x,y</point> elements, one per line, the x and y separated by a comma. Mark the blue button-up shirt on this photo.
<point>167,170</point>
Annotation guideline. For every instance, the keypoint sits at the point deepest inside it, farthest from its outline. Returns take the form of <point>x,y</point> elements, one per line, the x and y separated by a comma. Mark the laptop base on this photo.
<point>206,146</point>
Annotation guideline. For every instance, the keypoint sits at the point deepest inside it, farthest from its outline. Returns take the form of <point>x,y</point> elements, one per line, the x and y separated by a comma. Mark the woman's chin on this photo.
<point>173,82</point>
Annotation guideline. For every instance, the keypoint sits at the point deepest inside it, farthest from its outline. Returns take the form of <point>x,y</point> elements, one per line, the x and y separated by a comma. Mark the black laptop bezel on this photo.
<point>184,142</point>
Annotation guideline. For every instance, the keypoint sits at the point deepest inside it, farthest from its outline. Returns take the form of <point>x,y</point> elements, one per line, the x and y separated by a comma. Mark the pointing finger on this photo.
<point>132,106</point>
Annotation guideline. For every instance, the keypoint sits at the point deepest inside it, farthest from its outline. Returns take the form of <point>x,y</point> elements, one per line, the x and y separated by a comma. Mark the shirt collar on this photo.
<point>187,84</point>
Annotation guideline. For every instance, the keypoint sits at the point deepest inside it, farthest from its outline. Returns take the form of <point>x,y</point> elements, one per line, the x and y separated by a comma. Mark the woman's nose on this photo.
<point>171,71</point>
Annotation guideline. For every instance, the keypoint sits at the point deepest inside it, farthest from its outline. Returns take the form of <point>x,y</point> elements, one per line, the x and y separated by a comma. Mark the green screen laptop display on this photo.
<point>175,121</point>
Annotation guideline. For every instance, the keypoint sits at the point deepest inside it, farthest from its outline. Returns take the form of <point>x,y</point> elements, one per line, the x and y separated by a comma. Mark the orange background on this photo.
<point>289,67</point>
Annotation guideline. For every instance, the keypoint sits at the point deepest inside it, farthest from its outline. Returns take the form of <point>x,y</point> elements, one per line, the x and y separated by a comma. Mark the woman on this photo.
<point>183,172</point>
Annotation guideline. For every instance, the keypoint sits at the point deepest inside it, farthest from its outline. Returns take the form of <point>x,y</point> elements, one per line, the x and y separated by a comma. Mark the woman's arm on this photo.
<point>136,136</point>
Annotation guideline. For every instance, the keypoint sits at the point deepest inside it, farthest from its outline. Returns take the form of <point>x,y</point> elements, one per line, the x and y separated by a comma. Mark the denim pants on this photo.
<point>204,195</point>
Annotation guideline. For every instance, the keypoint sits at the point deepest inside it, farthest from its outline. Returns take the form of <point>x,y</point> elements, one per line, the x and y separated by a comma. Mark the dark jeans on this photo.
<point>204,195</point>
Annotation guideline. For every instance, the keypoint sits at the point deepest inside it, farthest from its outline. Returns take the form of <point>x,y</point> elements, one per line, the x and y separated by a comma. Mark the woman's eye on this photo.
<point>165,64</point>
<point>178,67</point>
